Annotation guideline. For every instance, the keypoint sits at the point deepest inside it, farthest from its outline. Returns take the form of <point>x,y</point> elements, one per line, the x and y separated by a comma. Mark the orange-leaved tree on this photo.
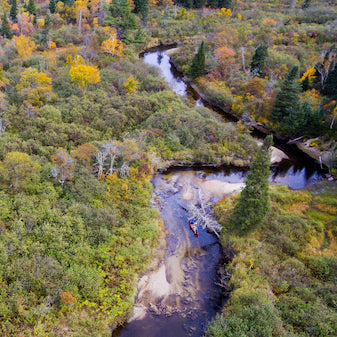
<point>63,166</point>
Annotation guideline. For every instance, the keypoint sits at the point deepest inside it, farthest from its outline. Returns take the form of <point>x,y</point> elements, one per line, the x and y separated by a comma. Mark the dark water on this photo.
<point>192,262</point>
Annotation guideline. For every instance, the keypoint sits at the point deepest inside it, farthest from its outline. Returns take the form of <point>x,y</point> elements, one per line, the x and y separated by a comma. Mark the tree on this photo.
<point>45,35</point>
<point>113,46</point>
<point>52,6</point>
<point>142,7</point>
<point>14,10</point>
<point>287,98</point>
<point>254,202</point>
<point>35,87</point>
<point>3,113</point>
<point>24,46</point>
<point>197,67</point>
<point>330,87</point>
<point>121,16</point>
<point>5,29</point>
<point>81,9</point>
<point>84,153</point>
<point>257,66</point>
<point>82,75</point>
<point>31,8</point>
<point>63,166</point>
<point>18,170</point>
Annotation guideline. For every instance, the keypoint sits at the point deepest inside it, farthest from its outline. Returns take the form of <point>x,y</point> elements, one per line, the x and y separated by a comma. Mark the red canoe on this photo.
<point>193,227</point>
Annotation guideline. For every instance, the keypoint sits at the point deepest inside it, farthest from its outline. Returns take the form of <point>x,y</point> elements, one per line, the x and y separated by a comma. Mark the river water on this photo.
<point>178,297</point>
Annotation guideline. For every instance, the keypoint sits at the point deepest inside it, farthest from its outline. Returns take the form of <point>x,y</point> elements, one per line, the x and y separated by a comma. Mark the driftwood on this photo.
<point>293,141</point>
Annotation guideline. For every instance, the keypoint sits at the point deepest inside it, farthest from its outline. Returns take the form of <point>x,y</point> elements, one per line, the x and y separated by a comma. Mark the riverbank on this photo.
<point>283,274</point>
<point>321,157</point>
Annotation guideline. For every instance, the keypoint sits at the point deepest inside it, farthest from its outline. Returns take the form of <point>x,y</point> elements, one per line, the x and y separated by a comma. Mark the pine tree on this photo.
<point>258,64</point>
<point>254,201</point>
<point>52,6</point>
<point>14,10</point>
<point>197,67</point>
<point>225,4</point>
<point>31,8</point>
<point>287,98</point>
<point>5,29</point>
<point>45,31</point>
<point>199,3</point>
<point>142,7</point>
<point>330,86</point>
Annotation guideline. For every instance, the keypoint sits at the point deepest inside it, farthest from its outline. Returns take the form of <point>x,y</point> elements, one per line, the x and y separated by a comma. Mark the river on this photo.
<point>181,294</point>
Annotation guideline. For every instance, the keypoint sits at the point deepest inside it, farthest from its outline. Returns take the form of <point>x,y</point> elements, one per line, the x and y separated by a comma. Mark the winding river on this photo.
<point>181,294</point>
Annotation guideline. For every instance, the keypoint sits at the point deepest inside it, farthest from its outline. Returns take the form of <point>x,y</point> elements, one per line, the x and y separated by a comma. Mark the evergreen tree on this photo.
<point>306,4</point>
<point>14,10</point>
<point>199,3</point>
<point>254,201</point>
<point>31,8</point>
<point>258,64</point>
<point>330,86</point>
<point>5,29</point>
<point>52,6</point>
<point>121,16</point>
<point>45,31</point>
<point>287,98</point>
<point>142,7</point>
<point>225,4</point>
<point>197,67</point>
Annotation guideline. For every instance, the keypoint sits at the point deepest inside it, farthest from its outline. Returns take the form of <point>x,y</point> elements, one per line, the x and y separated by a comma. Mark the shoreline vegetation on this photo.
<point>84,125</point>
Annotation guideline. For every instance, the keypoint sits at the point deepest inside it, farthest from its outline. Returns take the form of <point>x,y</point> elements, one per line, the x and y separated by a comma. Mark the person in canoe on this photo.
<point>193,226</point>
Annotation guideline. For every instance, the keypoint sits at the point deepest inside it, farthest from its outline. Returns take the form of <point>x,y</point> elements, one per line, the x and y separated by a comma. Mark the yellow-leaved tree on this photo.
<point>83,75</point>
<point>131,85</point>
<point>113,46</point>
<point>24,46</point>
<point>35,87</point>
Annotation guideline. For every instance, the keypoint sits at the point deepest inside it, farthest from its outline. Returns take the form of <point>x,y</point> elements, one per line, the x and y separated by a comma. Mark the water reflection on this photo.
<point>162,61</point>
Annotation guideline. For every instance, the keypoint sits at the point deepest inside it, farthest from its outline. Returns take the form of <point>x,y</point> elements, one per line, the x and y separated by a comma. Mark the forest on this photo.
<point>85,125</point>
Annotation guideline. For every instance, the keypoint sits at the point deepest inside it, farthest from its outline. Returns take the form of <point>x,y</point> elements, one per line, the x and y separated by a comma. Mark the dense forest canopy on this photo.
<point>84,125</point>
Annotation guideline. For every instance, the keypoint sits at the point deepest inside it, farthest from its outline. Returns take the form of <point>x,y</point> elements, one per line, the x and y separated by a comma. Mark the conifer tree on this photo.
<point>330,86</point>
<point>14,10</point>
<point>52,6</point>
<point>254,201</point>
<point>31,8</point>
<point>225,4</point>
<point>197,67</point>
<point>142,7</point>
<point>287,98</point>
<point>5,29</point>
<point>258,64</point>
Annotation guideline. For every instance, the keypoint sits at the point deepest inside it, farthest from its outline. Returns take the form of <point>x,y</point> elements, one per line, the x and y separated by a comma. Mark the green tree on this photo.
<point>142,7</point>
<point>14,10</point>
<point>18,170</point>
<point>197,67</point>
<point>31,8</point>
<point>52,6</point>
<point>287,98</point>
<point>258,64</point>
<point>5,29</point>
<point>330,87</point>
<point>254,201</point>
<point>121,16</point>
